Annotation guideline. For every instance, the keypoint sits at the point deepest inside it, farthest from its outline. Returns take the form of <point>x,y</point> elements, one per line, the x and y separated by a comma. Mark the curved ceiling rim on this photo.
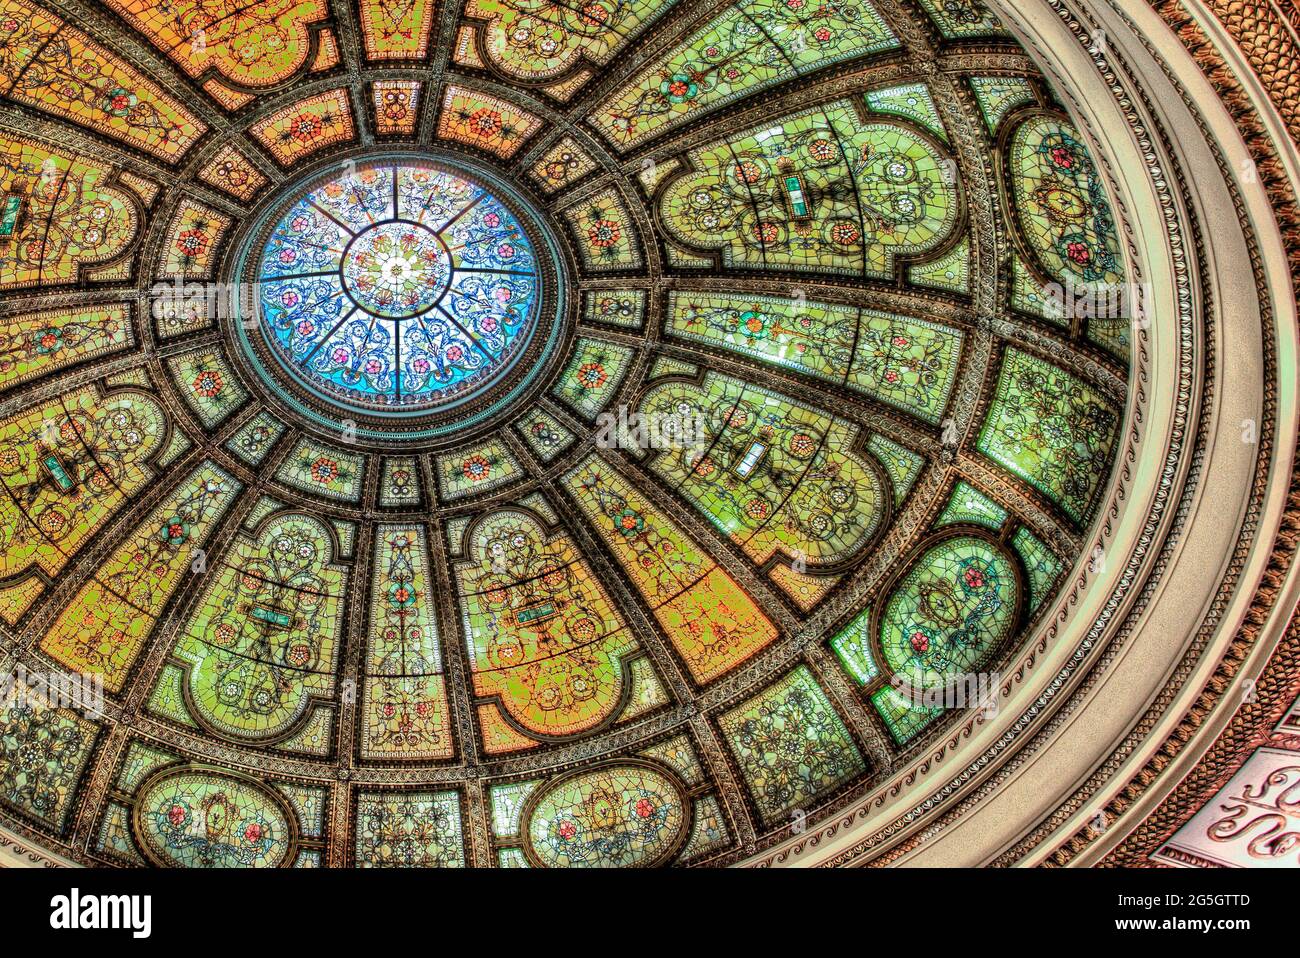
<point>1285,339</point>
<point>1059,87</point>
<point>1042,27</point>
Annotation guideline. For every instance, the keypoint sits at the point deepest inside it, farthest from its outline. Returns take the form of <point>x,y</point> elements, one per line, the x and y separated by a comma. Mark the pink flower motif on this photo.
<point>340,356</point>
<point>306,328</point>
<point>491,220</point>
<point>506,251</point>
<point>290,299</point>
<point>454,353</point>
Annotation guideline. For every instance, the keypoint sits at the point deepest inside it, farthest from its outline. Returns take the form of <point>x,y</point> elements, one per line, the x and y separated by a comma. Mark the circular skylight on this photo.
<point>397,285</point>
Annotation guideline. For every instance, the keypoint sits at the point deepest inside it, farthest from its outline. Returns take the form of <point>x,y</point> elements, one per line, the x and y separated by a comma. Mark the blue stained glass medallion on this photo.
<point>398,286</point>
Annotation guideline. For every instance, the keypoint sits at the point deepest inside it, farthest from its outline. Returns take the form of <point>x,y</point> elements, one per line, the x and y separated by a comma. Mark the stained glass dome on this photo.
<point>515,433</point>
<point>398,286</point>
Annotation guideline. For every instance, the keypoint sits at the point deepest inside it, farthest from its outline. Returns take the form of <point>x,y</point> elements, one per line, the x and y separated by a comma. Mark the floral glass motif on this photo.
<point>304,127</point>
<point>397,105</point>
<point>818,190</point>
<point>750,45</point>
<point>708,617</point>
<point>396,29</point>
<point>409,830</point>
<point>401,287</point>
<point>907,363</point>
<point>1052,429</point>
<point>544,638</point>
<point>543,39</point>
<point>202,819</point>
<point>66,467</point>
<point>404,697</point>
<point>253,44</point>
<point>771,473</point>
<point>619,816</point>
<point>790,745</point>
<point>33,344</point>
<point>949,612</point>
<point>263,642</point>
<point>1061,201</point>
<point>65,218</point>
<point>56,68</point>
<point>106,625</point>
<point>43,752</point>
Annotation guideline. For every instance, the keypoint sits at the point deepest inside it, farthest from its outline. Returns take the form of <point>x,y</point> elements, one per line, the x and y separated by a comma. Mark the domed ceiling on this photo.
<point>513,432</point>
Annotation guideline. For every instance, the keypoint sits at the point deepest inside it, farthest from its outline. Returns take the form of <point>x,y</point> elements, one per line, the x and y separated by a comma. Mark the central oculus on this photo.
<point>397,270</point>
<point>398,286</point>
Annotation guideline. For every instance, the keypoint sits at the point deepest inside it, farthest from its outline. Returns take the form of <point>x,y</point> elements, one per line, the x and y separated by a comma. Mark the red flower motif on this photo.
<point>974,578</point>
<point>176,815</point>
<point>253,833</point>
<point>305,127</point>
<point>593,14</point>
<point>567,830</point>
<point>1063,157</point>
<point>920,642</point>
<point>644,808</point>
<point>192,242</point>
<point>208,383</point>
<point>1079,253</point>
<point>476,468</point>
<point>324,470</point>
<point>485,122</point>
<point>604,233</point>
<point>844,233</point>
<point>592,376</point>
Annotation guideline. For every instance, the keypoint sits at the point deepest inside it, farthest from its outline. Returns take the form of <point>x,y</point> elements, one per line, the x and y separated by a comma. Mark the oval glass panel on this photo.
<point>197,818</point>
<point>619,816</point>
<point>954,605</point>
